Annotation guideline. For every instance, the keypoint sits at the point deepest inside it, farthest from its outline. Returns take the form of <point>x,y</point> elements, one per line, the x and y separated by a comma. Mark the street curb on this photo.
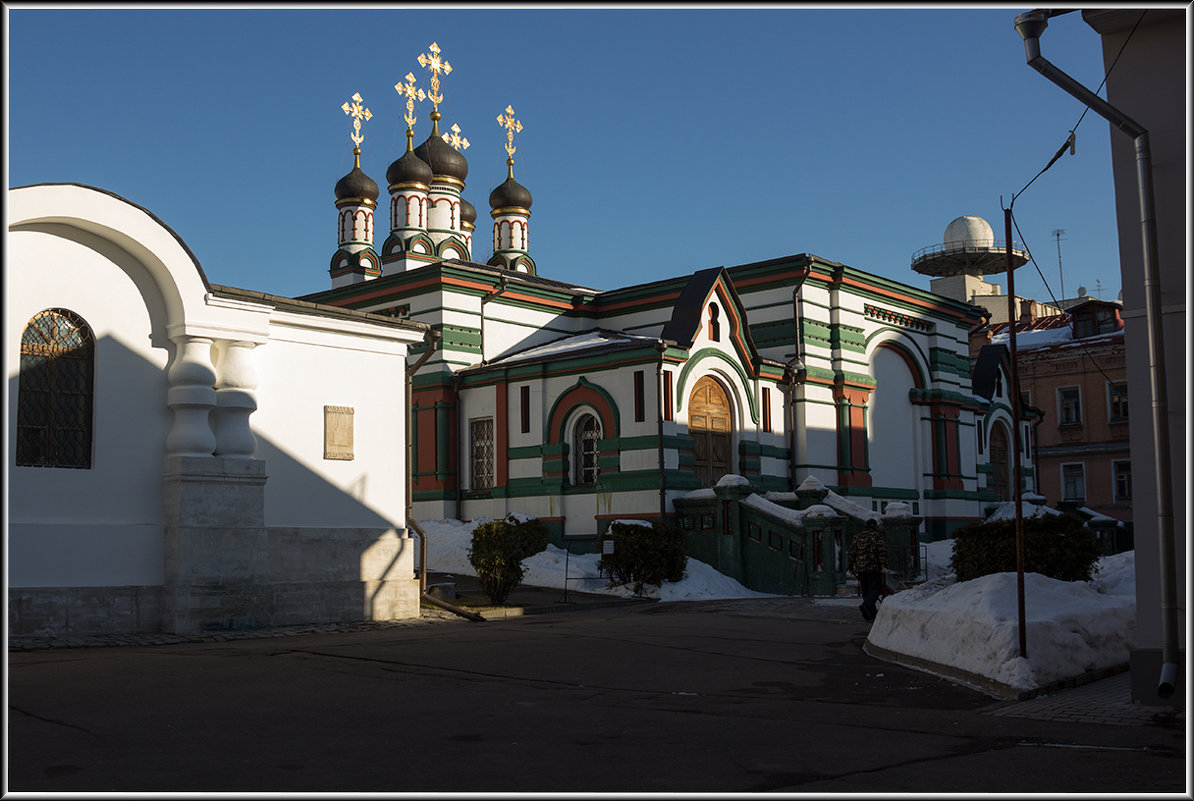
<point>985,684</point>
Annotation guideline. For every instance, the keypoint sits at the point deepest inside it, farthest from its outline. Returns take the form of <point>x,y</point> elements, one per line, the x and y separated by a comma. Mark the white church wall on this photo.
<point>99,526</point>
<point>309,365</point>
<point>893,425</point>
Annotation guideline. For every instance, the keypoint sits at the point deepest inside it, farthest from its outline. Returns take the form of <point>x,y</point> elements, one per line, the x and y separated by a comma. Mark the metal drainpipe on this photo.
<point>1030,26</point>
<point>432,339</point>
<point>459,445</point>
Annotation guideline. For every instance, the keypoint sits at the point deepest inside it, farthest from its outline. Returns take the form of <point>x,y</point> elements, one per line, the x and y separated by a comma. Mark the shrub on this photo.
<point>643,555</point>
<point>1058,547</point>
<point>497,550</point>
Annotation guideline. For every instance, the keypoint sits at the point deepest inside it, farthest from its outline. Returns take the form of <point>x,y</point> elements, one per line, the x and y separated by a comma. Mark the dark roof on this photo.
<point>991,359</point>
<point>510,193</point>
<point>409,169</point>
<point>356,186</point>
<point>318,309</point>
<point>443,158</point>
<point>686,314</point>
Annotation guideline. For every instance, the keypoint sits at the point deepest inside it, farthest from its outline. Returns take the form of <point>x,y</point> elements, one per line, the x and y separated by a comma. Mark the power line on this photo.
<point>1071,140</point>
<point>1055,303</point>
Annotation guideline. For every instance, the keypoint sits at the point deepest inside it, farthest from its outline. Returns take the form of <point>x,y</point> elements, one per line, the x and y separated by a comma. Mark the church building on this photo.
<point>580,405</point>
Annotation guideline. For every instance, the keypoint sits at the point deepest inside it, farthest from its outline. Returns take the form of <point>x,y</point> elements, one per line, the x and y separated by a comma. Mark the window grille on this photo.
<point>587,439</point>
<point>55,395</point>
<point>481,436</point>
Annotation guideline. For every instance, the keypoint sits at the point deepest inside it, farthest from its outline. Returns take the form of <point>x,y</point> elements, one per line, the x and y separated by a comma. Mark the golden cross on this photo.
<point>436,64</point>
<point>411,94</point>
<point>512,127</point>
<point>456,140</point>
<point>357,111</point>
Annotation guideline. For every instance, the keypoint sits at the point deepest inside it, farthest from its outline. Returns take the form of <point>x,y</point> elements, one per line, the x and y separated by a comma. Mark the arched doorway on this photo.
<point>710,425</point>
<point>1000,466</point>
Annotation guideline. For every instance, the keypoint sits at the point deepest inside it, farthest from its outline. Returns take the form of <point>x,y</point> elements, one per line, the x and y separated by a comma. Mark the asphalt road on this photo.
<point>772,695</point>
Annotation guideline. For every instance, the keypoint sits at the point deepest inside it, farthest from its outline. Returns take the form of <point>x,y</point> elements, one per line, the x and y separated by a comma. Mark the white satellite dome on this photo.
<point>970,231</point>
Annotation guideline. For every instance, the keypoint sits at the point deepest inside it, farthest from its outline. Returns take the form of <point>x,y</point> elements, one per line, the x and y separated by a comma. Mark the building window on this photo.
<point>714,323</point>
<point>1121,470</point>
<point>1073,482</point>
<point>766,409</point>
<point>667,395</point>
<point>1117,401</point>
<point>640,412</point>
<point>978,429</point>
<point>55,395</point>
<point>524,408</point>
<point>481,447</point>
<point>1069,406</point>
<point>586,440</point>
<point>998,384</point>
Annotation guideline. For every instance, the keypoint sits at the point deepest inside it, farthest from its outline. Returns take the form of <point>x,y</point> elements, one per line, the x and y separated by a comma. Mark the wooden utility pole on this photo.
<point>1017,479</point>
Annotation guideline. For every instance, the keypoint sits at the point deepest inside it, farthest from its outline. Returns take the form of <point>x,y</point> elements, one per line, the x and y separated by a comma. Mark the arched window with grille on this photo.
<point>586,440</point>
<point>55,394</point>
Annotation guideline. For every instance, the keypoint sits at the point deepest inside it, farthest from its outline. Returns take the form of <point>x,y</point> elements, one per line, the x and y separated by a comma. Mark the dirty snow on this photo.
<point>1072,627</point>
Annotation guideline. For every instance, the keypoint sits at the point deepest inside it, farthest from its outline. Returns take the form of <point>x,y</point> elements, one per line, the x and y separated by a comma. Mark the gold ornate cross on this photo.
<point>357,112</point>
<point>436,64</point>
<point>512,127</point>
<point>411,94</point>
<point>457,141</point>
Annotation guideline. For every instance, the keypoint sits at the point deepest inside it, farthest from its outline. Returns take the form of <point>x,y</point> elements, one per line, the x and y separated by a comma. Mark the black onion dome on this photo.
<point>356,185</point>
<point>409,169</point>
<point>468,212</point>
<point>443,158</point>
<point>510,193</point>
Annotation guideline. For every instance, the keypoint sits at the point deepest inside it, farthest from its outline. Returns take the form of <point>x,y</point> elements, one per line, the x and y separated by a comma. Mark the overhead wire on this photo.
<point>1069,144</point>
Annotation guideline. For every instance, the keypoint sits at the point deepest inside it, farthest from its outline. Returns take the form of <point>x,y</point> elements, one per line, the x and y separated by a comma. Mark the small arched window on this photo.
<point>54,399</point>
<point>586,440</point>
<point>714,323</point>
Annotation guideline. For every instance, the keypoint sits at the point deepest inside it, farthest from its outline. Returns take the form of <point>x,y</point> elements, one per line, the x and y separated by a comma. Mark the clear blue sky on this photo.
<point>655,142</point>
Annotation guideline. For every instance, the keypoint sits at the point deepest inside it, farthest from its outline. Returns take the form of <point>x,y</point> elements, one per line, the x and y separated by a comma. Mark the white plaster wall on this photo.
<point>892,425</point>
<point>56,515</point>
<point>303,368</point>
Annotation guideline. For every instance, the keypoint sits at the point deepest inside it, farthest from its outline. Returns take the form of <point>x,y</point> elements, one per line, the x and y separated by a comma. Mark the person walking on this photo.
<point>866,559</point>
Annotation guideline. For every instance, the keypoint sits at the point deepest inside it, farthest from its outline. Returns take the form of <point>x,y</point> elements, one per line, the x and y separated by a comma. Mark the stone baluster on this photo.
<point>235,401</point>
<point>191,398</point>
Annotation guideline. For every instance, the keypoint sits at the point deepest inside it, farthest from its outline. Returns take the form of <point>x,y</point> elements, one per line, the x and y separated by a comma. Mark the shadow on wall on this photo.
<point>98,549</point>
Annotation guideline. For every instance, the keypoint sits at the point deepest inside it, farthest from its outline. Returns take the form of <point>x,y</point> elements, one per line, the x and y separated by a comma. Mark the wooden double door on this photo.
<point>710,423</point>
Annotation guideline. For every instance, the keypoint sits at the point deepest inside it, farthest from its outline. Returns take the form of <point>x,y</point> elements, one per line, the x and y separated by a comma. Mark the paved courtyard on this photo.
<point>771,695</point>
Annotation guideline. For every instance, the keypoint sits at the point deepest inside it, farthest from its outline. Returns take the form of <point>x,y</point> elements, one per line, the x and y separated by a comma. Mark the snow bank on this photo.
<point>1007,511</point>
<point>448,543</point>
<point>1071,628</point>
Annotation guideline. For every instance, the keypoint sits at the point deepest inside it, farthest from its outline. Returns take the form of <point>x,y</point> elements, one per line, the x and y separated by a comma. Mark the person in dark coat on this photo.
<point>867,559</point>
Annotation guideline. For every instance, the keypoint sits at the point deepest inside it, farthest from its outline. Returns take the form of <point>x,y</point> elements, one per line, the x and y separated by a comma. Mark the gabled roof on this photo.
<point>685,322</point>
<point>991,359</point>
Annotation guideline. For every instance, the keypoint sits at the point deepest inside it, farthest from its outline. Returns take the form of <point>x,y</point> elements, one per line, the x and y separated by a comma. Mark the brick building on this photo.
<point>1071,366</point>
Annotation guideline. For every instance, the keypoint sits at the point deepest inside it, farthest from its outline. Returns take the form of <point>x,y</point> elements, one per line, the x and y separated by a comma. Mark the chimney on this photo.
<point>1027,311</point>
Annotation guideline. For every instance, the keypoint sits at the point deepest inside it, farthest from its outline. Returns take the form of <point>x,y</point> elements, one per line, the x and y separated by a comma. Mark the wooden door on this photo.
<point>709,423</point>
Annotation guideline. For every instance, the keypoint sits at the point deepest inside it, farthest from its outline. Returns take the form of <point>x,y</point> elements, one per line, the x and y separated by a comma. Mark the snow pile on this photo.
<point>1007,511</point>
<point>448,543</point>
<point>849,508</point>
<point>973,626</point>
<point>793,517</point>
<point>1071,627</point>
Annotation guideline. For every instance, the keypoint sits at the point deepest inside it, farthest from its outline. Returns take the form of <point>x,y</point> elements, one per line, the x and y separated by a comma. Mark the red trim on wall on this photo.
<point>502,435</point>
<point>569,400</point>
<point>854,435</point>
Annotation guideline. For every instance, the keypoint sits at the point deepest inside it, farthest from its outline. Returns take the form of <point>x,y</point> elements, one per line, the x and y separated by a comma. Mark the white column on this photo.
<point>191,397</point>
<point>235,401</point>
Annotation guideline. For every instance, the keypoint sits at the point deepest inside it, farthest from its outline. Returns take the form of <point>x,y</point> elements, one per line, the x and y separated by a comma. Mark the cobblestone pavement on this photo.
<point>1107,701</point>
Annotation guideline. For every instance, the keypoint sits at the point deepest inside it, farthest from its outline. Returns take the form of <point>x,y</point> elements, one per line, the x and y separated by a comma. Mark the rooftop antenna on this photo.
<point>1057,232</point>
